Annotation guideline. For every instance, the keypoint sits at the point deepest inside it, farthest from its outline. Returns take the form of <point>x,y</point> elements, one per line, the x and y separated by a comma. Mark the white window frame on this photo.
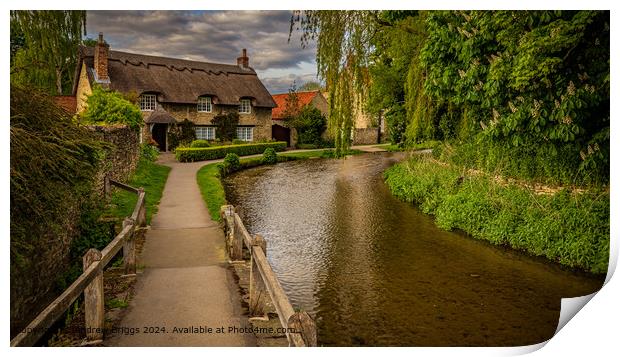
<point>205,132</point>
<point>205,105</point>
<point>148,102</point>
<point>245,106</point>
<point>245,133</point>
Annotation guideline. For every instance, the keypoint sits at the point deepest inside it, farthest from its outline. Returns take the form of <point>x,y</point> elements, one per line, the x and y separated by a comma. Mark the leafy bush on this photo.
<point>238,142</point>
<point>230,164</point>
<point>226,125</point>
<point>110,107</point>
<point>200,144</point>
<point>218,152</point>
<point>310,124</point>
<point>232,160</point>
<point>269,156</point>
<point>181,134</point>
<point>567,227</point>
<point>149,152</point>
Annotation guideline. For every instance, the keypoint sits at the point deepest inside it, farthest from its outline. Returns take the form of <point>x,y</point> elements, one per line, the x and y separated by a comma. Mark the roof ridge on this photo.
<point>122,56</point>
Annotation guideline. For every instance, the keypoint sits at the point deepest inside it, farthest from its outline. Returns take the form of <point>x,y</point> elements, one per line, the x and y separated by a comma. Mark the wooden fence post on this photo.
<point>107,189</point>
<point>302,324</point>
<point>258,292</point>
<point>94,300</point>
<point>129,249</point>
<point>142,212</point>
<point>234,241</point>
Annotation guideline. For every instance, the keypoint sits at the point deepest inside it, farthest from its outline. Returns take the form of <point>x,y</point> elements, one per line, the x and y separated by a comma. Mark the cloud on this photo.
<point>282,84</point>
<point>214,36</point>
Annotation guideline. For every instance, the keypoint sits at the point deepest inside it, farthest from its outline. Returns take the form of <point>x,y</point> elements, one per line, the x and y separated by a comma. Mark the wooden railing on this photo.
<point>300,328</point>
<point>91,280</point>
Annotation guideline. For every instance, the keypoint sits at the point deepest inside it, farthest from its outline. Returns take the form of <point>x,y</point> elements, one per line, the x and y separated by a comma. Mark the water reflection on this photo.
<point>376,271</point>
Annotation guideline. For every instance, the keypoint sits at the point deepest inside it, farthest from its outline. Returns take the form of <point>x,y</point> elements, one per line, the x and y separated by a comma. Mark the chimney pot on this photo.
<point>101,59</point>
<point>244,60</point>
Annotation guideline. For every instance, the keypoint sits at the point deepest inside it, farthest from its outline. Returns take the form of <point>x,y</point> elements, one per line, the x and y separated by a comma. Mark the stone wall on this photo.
<point>365,136</point>
<point>122,158</point>
<point>34,281</point>
<point>260,118</point>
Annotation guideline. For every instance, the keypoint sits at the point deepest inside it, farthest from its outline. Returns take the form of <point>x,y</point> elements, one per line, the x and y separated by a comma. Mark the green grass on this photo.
<point>210,183</point>
<point>211,189</point>
<point>571,228</point>
<point>428,144</point>
<point>148,175</point>
<point>116,303</point>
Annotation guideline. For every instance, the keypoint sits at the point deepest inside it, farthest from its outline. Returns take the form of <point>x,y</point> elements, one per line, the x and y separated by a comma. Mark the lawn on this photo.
<point>148,175</point>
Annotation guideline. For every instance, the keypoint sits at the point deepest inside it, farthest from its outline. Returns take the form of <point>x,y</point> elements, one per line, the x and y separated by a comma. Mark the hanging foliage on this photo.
<point>343,41</point>
<point>44,50</point>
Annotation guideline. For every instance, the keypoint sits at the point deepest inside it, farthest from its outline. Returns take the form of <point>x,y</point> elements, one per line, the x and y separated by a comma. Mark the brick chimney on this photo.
<point>244,60</point>
<point>101,59</point>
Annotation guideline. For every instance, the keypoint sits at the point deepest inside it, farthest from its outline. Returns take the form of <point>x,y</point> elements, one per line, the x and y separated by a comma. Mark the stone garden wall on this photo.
<point>34,282</point>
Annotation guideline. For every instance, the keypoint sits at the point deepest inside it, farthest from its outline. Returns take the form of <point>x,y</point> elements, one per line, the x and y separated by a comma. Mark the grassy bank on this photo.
<point>565,226</point>
<point>428,144</point>
<point>149,175</point>
<point>212,190</point>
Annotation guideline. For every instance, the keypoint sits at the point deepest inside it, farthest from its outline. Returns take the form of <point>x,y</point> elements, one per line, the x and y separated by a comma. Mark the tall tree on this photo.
<point>343,47</point>
<point>50,41</point>
<point>292,105</point>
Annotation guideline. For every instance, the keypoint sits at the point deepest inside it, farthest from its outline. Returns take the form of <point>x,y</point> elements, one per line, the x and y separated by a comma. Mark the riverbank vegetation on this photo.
<point>209,176</point>
<point>568,226</point>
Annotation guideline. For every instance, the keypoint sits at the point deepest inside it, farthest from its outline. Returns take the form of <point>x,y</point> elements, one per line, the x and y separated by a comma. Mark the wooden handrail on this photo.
<point>124,186</point>
<point>84,283</point>
<point>262,277</point>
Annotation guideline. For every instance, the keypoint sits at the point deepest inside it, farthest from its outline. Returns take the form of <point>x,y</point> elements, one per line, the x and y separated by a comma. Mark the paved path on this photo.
<point>186,281</point>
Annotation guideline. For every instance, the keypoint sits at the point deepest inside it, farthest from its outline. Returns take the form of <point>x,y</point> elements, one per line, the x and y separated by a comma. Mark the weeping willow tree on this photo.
<point>343,41</point>
<point>47,55</point>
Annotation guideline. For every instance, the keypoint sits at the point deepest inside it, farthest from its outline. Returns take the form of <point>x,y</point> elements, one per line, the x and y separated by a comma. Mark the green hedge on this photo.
<point>218,152</point>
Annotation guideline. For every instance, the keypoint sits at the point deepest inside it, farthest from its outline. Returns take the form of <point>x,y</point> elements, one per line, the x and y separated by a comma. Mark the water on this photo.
<point>376,271</point>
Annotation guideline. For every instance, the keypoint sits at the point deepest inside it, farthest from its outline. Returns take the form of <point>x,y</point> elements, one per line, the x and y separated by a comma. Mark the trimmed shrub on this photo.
<point>218,152</point>
<point>149,152</point>
<point>238,142</point>
<point>269,156</point>
<point>200,144</point>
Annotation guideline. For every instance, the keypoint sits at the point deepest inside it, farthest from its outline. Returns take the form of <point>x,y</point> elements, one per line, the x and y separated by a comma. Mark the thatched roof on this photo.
<point>177,80</point>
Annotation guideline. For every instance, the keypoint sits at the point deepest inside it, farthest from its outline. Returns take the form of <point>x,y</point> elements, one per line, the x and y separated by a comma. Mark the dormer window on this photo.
<point>245,107</point>
<point>204,104</point>
<point>148,102</point>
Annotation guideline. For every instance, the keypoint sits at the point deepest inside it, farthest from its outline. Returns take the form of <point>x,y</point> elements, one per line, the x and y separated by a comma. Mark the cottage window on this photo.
<point>205,133</point>
<point>245,107</point>
<point>245,133</point>
<point>204,104</point>
<point>148,102</point>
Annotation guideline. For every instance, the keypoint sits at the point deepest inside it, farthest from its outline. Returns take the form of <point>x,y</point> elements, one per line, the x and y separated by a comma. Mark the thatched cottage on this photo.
<point>171,90</point>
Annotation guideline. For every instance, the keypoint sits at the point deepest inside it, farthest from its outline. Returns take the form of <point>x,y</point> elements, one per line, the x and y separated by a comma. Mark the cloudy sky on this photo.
<point>213,36</point>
